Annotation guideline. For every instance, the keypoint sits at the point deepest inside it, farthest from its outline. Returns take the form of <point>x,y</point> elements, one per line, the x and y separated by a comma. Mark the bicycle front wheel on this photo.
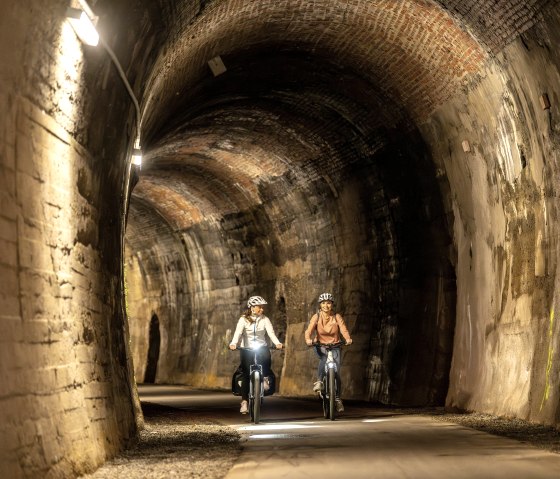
<point>256,406</point>
<point>325,398</point>
<point>332,393</point>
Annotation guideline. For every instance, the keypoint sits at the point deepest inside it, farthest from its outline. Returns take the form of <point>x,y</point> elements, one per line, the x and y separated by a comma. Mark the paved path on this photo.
<point>294,441</point>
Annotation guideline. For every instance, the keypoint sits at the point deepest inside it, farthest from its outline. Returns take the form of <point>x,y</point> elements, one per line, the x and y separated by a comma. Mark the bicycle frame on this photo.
<point>328,391</point>
<point>256,385</point>
<point>256,374</point>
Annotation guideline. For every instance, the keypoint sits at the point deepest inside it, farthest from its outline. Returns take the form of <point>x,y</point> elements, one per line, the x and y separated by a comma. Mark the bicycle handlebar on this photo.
<point>329,345</point>
<point>239,348</point>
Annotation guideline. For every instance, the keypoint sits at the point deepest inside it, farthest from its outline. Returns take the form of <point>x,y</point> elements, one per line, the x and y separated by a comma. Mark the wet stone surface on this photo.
<point>175,444</point>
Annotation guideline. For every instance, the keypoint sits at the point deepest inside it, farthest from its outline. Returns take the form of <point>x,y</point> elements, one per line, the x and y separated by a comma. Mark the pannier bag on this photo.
<point>237,381</point>
<point>271,384</point>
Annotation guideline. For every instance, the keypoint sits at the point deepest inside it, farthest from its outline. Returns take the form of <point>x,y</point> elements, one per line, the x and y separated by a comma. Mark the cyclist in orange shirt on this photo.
<point>328,327</point>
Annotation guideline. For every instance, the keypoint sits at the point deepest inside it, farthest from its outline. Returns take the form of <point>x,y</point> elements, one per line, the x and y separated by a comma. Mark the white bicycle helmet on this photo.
<point>256,301</point>
<point>326,297</point>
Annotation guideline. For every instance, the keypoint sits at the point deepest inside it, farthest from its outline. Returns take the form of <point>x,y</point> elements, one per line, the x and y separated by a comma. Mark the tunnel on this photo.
<point>401,155</point>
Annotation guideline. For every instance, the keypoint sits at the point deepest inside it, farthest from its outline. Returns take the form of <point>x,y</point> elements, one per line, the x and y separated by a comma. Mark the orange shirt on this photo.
<point>328,328</point>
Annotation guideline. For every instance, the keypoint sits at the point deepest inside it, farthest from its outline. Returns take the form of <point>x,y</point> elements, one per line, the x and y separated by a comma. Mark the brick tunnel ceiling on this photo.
<point>302,78</point>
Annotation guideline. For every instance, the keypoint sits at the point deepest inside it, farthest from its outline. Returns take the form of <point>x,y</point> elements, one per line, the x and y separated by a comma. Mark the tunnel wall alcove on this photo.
<point>154,345</point>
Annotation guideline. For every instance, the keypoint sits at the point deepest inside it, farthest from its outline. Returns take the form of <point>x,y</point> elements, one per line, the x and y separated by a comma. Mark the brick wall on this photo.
<point>495,24</point>
<point>412,51</point>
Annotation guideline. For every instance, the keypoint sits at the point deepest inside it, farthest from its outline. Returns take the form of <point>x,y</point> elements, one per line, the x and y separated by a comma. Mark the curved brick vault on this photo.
<point>400,154</point>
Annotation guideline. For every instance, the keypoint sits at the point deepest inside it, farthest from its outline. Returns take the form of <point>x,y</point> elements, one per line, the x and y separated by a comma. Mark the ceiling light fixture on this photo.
<point>84,25</point>
<point>83,22</point>
<point>137,154</point>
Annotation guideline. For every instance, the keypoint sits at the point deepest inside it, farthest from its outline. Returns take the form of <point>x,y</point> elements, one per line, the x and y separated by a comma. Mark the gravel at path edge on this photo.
<point>537,435</point>
<point>175,444</point>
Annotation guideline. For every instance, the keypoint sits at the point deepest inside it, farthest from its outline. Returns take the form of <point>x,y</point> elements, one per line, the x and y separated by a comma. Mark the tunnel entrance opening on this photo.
<point>153,350</point>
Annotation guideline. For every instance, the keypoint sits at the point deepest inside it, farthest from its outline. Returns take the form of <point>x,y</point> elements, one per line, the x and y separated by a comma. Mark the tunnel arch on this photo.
<point>255,90</point>
<point>379,28</point>
<point>335,126</point>
<point>337,139</point>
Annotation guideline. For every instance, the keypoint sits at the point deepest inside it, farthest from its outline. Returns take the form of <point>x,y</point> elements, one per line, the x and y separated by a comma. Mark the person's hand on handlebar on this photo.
<point>279,346</point>
<point>233,347</point>
<point>348,342</point>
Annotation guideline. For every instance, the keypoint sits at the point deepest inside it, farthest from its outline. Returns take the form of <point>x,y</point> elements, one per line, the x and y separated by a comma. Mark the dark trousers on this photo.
<point>248,358</point>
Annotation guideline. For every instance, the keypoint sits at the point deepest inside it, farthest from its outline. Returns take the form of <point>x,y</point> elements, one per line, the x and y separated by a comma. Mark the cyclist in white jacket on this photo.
<point>251,332</point>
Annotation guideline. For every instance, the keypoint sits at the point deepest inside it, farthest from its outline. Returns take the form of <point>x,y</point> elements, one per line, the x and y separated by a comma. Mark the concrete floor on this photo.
<point>293,440</point>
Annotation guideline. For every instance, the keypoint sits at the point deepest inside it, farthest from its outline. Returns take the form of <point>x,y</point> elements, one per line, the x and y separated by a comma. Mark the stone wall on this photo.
<point>156,278</point>
<point>66,396</point>
<point>505,206</point>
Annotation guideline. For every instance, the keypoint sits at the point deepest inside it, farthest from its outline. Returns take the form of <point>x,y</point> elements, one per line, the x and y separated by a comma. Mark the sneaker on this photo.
<point>266,383</point>
<point>244,407</point>
<point>339,405</point>
<point>317,386</point>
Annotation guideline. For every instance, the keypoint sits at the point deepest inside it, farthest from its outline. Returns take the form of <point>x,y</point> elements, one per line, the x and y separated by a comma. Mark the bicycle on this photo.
<point>328,389</point>
<point>256,384</point>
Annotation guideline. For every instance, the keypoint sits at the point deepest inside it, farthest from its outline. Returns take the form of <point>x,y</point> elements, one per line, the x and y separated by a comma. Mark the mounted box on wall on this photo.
<point>217,66</point>
<point>545,102</point>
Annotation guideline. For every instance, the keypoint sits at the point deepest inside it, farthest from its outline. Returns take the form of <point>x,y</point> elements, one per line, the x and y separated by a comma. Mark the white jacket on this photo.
<point>253,332</point>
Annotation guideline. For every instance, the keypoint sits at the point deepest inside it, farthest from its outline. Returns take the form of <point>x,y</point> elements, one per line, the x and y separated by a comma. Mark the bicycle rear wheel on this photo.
<point>256,406</point>
<point>332,393</point>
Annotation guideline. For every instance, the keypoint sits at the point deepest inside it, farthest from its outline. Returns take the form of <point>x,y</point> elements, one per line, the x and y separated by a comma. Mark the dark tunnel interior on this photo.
<point>402,156</point>
<point>291,157</point>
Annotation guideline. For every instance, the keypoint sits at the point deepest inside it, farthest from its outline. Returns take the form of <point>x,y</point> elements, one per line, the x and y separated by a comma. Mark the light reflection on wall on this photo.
<point>507,144</point>
<point>68,72</point>
<point>57,208</point>
<point>59,277</point>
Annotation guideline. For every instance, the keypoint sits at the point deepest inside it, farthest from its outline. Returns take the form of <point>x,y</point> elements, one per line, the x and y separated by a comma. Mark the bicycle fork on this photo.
<point>255,368</point>
<point>329,364</point>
